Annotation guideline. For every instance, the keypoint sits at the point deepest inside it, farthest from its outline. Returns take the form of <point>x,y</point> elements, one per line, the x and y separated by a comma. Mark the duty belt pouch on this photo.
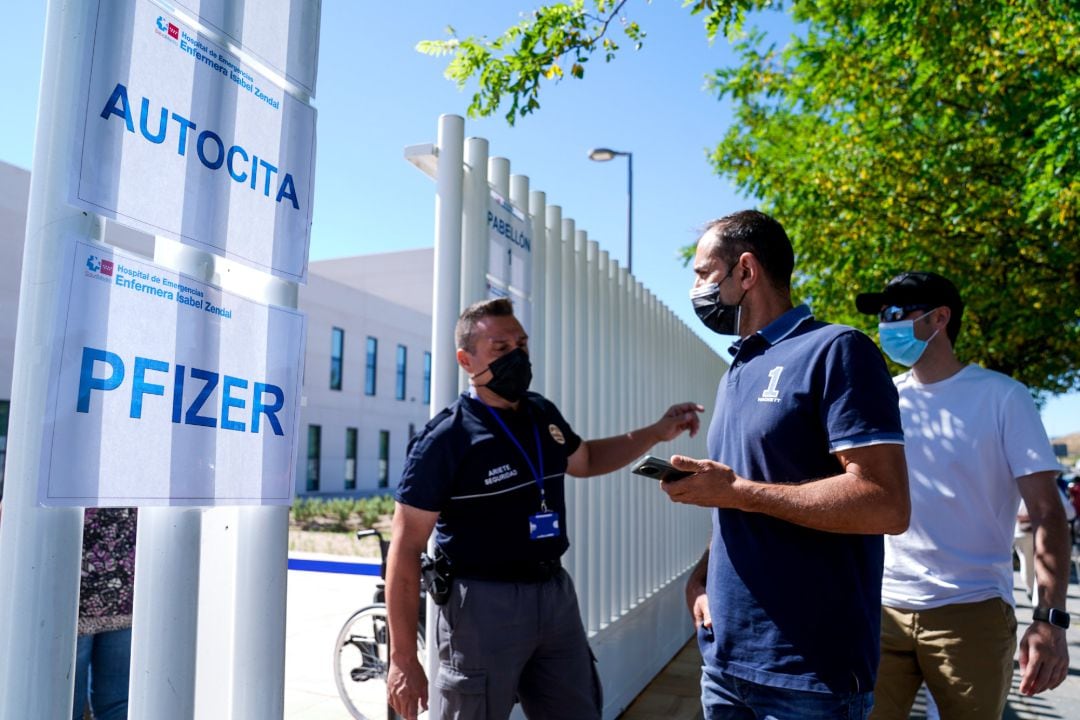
<point>435,576</point>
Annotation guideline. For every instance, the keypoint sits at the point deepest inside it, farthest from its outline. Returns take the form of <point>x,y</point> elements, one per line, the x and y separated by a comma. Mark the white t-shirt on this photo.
<point>967,438</point>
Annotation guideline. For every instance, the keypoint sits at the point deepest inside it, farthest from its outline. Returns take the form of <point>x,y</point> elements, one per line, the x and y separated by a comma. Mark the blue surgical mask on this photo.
<point>898,341</point>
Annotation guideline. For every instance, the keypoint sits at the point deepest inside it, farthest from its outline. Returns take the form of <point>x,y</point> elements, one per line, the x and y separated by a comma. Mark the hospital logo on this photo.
<point>168,28</point>
<point>771,394</point>
<point>98,268</point>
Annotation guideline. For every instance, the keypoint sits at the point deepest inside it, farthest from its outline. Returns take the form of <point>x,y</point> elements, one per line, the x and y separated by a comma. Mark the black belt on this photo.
<point>532,572</point>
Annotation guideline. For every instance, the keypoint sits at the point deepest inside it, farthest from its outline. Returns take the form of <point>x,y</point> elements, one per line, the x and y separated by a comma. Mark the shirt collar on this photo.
<point>779,328</point>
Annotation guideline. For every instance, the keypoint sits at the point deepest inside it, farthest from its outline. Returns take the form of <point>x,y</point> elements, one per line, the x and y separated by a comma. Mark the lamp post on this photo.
<point>603,155</point>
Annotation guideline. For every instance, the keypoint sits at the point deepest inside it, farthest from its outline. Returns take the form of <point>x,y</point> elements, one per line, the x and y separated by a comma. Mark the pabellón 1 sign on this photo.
<point>179,137</point>
<point>509,256</point>
<point>168,391</point>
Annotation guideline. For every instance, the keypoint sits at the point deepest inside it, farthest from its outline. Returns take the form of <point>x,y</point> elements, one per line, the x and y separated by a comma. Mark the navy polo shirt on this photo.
<point>464,466</point>
<point>794,607</point>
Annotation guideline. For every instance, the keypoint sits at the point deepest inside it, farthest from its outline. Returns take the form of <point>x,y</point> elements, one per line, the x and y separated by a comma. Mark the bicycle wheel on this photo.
<point>361,659</point>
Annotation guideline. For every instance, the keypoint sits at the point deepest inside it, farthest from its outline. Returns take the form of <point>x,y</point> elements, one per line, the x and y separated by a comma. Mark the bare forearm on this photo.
<point>1050,531</point>
<point>598,457</point>
<point>870,496</point>
<point>611,453</point>
<point>843,503</point>
<point>403,603</point>
<point>695,584</point>
<point>1052,561</point>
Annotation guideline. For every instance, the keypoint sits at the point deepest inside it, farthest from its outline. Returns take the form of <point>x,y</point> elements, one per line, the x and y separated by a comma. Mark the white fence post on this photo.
<point>538,213</point>
<point>446,295</point>
<point>622,347</point>
<point>589,394</point>
<point>40,548</point>
<point>553,299</point>
<point>166,613</point>
<point>474,227</point>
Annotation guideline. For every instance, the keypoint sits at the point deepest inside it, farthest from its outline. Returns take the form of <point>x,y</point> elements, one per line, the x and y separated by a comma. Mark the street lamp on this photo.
<point>603,155</point>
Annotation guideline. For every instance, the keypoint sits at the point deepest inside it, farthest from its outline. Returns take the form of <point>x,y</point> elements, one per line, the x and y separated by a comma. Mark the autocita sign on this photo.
<point>180,137</point>
<point>167,390</point>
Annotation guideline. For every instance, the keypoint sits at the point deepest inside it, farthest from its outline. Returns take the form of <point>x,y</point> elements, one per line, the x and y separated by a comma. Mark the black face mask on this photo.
<point>718,317</point>
<point>511,375</point>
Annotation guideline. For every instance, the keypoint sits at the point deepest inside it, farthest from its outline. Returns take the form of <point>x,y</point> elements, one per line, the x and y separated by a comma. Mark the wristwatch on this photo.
<point>1052,616</point>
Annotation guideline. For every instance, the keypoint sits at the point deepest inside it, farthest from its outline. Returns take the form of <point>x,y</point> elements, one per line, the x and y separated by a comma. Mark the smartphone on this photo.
<point>658,469</point>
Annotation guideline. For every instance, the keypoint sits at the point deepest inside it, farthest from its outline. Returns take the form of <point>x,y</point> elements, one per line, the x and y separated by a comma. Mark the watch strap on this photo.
<point>1060,618</point>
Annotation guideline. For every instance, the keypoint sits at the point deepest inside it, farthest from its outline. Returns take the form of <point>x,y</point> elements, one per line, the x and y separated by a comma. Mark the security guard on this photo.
<point>487,475</point>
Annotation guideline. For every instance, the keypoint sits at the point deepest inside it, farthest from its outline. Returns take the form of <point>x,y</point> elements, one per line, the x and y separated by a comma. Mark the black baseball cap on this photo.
<point>913,288</point>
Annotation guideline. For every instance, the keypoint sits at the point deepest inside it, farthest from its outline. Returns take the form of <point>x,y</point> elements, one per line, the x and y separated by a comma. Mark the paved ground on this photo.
<point>319,603</point>
<point>1064,702</point>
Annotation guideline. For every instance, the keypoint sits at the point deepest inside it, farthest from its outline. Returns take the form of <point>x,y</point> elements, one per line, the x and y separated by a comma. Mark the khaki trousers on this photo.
<point>964,653</point>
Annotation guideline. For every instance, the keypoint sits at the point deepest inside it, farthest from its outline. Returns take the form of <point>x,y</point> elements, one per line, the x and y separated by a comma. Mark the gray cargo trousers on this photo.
<point>505,641</point>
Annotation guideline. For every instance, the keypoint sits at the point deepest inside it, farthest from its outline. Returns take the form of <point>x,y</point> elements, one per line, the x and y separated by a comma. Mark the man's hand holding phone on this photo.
<point>658,469</point>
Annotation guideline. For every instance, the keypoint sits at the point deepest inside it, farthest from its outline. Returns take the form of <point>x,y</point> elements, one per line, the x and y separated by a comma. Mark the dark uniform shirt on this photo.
<point>794,607</point>
<point>466,467</point>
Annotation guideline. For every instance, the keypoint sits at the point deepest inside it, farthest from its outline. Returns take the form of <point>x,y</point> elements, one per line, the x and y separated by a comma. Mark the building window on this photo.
<point>369,373</point>
<point>337,356</point>
<point>384,458</point>
<point>350,458</point>
<point>402,356</point>
<point>427,378</point>
<point>314,453</point>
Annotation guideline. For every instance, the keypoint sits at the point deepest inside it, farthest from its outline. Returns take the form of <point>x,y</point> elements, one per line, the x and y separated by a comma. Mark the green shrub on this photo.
<point>339,512</point>
<point>305,508</point>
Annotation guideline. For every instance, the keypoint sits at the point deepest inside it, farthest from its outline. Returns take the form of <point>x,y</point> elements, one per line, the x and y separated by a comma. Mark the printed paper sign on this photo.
<point>181,138</point>
<point>510,256</point>
<point>283,34</point>
<point>167,391</point>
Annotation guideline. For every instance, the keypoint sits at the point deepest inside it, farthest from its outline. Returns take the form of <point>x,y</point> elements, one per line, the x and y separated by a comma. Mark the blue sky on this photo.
<point>376,94</point>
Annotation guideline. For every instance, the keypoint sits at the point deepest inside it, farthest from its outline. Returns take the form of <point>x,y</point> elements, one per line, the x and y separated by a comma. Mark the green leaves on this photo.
<point>911,135</point>
<point>554,41</point>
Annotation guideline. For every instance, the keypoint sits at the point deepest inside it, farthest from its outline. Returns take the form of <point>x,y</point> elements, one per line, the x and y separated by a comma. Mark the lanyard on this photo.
<point>539,475</point>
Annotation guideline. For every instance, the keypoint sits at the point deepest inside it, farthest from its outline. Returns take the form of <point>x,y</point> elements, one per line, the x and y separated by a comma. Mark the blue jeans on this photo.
<point>102,664</point>
<point>724,697</point>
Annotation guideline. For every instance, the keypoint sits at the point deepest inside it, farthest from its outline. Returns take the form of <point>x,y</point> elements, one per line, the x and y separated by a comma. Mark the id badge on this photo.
<point>543,525</point>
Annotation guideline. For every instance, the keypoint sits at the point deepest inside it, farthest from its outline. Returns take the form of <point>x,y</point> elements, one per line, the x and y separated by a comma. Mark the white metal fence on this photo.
<point>612,357</point>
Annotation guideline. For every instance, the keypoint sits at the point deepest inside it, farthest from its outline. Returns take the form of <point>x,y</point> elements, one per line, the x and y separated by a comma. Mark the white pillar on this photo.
<point>637,378</point>
<point>553,298</point>
<point>569,301</point>
<point>601,395</point>
<point>40,548</point>
<point>474,228</point>
<point>574,562</point>
<point>446,296</point>
<point>589,393</point>
<point>258,658</point>
<point>627,527</point>
<point>538,238</point>
<point>584,555</point>
<point>519,198</point>
<point>163,647</point>
<point>499,175</point>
